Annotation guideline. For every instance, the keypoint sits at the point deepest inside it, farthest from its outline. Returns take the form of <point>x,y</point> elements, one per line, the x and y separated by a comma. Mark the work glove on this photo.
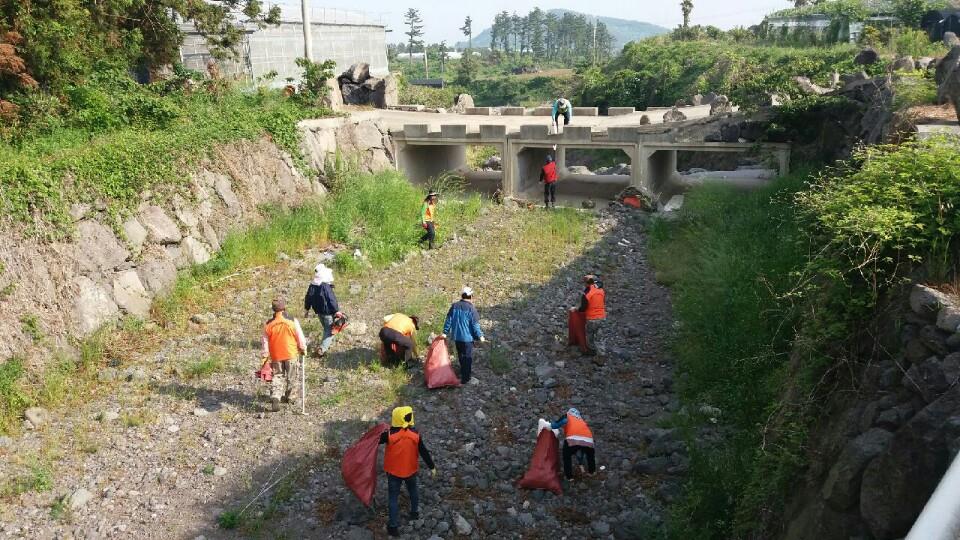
<point>483,339</point>
<point>443,336</point>
<point>433,472</point>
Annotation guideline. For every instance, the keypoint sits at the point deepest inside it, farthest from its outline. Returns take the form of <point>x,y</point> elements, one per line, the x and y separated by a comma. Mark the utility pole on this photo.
<point>594,39</point>
<point>307,37</point>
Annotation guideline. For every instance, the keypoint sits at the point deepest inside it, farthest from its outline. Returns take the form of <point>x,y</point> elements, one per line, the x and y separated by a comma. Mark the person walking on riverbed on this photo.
<point>283,342</point>
<point>321,299</point>
<point>463,327</point>
<point>593,306</point>
<point>401,463</point>
<point>428,214</point>
<point>548,175</point>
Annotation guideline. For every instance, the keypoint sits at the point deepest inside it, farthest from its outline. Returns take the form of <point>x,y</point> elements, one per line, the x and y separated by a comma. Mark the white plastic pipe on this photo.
<point>307,30</point>
<point>940,519</point>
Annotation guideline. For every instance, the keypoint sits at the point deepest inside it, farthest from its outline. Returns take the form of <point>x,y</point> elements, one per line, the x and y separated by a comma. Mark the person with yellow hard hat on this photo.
<point>400,462</point>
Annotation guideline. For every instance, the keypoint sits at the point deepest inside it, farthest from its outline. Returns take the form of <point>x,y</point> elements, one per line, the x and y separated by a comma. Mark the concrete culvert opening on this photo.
<point>595,173</point>
<point>746,169</point>
<point>424,162</point>
<point>484,171</point>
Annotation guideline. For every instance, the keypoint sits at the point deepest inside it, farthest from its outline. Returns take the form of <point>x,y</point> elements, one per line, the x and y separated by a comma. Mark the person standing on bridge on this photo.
<point>548,175</point>
<point>283,342</point>
<point>562,107</point>
<point>428,213</point>
<point>593,306</point>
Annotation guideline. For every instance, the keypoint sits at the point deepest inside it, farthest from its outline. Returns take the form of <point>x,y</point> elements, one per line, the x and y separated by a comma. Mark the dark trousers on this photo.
<point>566,118</point>
<point>393,497</point>
<point>429,236</point>
<point>465,356</point>
<point>549,193</point>
<point>390,337</point>
<point>581,452</point>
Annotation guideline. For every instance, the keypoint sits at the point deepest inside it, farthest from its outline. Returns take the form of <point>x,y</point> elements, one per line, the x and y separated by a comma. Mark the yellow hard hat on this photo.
<point>402,417</point>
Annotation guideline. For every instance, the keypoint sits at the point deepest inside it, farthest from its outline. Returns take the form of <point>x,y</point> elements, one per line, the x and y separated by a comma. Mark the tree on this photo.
<point>910,12</point>
<point>687,7</point>
<point>414,32</point>
<point>442,50</point>
<point>467,30</point>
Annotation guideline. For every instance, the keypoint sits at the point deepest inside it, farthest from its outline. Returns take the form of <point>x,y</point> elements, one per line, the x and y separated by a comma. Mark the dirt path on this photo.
<point>187,440</point>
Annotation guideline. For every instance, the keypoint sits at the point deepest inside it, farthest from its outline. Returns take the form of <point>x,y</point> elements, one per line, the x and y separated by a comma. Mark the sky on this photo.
<point>443,18</point>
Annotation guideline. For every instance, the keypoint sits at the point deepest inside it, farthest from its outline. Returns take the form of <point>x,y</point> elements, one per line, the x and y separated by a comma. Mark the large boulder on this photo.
<point>904,63</point>
<point>947,65</point>
<point>93,305</point>
<point>897,484</point>
<point>98,250</point>
<point>708,98</point>
<point>355,93</point>
<point>866,57</point>
<point>926,302</point>
<point>357,73</point>
<point>925,62</point>
<point>950,40</point>
<point>949,91</point>
<point>809,87</point>
<point>334,98</point>
<point>160,227</point>
<point>130,293</point>
<point>721,106</point>
<point>158,273</point>
<point>674,115</point>
<point>386,93</point>
<point>842,487</point>
<point>461,103</point>
<point>926,379</point>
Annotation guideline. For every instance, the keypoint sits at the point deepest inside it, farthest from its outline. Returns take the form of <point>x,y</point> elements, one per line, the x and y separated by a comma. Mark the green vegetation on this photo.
<point>202,368</point>
<point>38,478</point>
<point>772,291</point>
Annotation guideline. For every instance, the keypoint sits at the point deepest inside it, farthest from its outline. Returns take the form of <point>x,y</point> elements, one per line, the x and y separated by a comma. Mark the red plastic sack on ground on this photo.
<point>437,370</point>
<point>632,201</point>
<point>544,469</point>
<point>577,330</point>
<point>359,465</point>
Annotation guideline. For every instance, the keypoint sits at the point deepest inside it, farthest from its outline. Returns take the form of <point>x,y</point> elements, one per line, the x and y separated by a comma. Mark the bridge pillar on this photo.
<point>659,167</point>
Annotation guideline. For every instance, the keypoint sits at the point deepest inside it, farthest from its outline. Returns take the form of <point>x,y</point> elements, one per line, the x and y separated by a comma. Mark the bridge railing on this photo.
<point>940,519</point>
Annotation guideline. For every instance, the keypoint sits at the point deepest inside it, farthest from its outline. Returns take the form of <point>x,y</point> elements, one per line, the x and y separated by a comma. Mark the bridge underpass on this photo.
<point>424,152</point>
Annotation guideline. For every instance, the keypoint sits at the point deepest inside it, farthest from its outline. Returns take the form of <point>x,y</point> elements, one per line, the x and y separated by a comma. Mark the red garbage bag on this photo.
<point>544,470</point>
<point>437,370</point>
<point>577,329</point>
<point>359,465</point>
<point>633,201</point>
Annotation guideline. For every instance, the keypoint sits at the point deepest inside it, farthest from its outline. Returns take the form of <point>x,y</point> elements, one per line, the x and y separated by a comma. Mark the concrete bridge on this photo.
<point>429,144</point>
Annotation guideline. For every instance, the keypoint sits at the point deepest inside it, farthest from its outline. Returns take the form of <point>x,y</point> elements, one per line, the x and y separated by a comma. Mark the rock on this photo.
<point>80,498</point>
<point>721,106</point>
<point>579,169</point>
<point>544,371</point>
<point>493,163</point>
<point>891,419</point>
<point>130,294</point>
<point>708,98</point>
<point>134,233</point>
<point>479,415</point>
<point>386,94</point>
<point>898,482</point>
<point>224,189</point>
<point>194,251</point>
<point>79,211</point>
<point>204,318</point>
<point>354,94</point>
<point>945,67</point>
<point>696,100</point>
<point>927,379</point>
<point>93,306</point>
<point>357,73</point>
<point>461,103</point>
<point>808,87</point>
<point>158,274</point>
<point>675,203</point>
<point>358,533</point>
<point>600,528</point>
<point>934,339</point>
<point>674,115</point>
<point>98,250</point>
<point>219,471</point>
<point>950,40</point>
<point>644,120</point>
<point>916,351</point>
<point>160,228</point>
<point>866,57</point>
<point>37,416</point>
<point>948,319</point>
<point>462,525</point>
<point>200,411</point>
<point>588,204</point>
<point>107,374</point>
<point>842,487</point>
<point>334,99</point>
<point>108,416</point>
<point>904,63</point>
<point>5,442</point>
<point>355,288</point>
<point>924,62</point>
<point>526,519</point>
<point>135,374</point>
<point>926,302</point>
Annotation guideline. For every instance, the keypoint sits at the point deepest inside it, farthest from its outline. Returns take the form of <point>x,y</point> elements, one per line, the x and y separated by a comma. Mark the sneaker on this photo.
<point>473,381</point>
<point>274,404</point>
<point>393,531</point>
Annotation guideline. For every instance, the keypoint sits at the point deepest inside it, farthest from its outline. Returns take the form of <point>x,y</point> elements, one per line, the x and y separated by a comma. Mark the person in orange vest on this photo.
<point>428,213</point>
<point>398,337</point>
<point>593,306</point>
<point>283,342</point>
<point>548,175</point>
<point>577,440</point>
<point>400,462</point>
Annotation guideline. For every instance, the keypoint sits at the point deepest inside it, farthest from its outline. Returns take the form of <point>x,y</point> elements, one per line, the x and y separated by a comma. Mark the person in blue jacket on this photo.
<point>321,300</point>
<point>562,107</point>
<point>463,327</point>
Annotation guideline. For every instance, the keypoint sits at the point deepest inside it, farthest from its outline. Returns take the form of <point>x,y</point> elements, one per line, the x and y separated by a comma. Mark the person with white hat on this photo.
<point>321,299</point>
<point>463,327</point>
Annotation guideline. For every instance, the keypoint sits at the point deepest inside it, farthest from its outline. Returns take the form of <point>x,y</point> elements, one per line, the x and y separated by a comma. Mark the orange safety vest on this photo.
<point>577,432</point>
<point>428,212</point>
<point>596,299</point>
<point>400,457</point>
<point>282,339</point>
<point>401,323</point>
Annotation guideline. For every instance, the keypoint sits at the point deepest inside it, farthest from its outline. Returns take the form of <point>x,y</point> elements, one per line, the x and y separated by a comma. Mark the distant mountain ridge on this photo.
<point>623,30</point>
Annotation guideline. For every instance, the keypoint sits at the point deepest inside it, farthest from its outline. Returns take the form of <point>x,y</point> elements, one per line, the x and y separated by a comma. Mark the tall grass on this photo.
<point>728,258</point>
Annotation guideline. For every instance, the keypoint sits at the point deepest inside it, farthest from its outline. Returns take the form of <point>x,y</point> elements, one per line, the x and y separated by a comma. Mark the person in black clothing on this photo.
<point>321,299</point>
<point>404,445</point>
